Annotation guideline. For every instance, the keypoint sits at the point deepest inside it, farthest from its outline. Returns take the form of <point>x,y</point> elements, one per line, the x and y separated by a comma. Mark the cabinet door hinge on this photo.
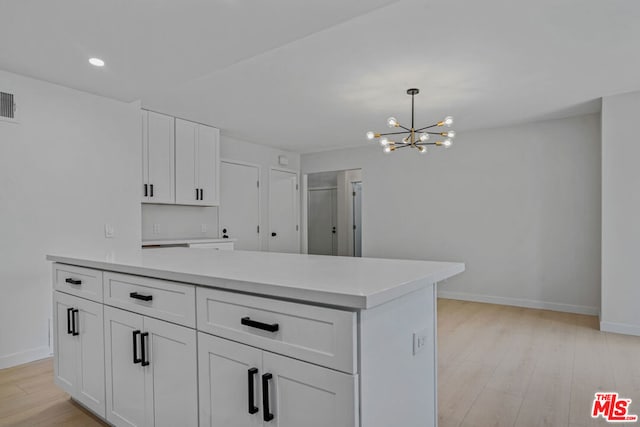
<point>296,228</point>
<point>296,186</point>
<point>258,184</point>
<point>258,229</point>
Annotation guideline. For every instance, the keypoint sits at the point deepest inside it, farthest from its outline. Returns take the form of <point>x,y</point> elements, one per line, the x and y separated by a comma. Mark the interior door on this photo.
<point>65,371</point>
<point>90,362</point>
<point>228,371</point>
<point>186,154</point>
<point>206,165</point>
<point>125,379</point>
<point>283,212</point>
<point>240,204</point>
<point>357,219</point>
<point>301,394</point>
<point>160,133</point>
<point>171,391</point>
<point>322,209</point>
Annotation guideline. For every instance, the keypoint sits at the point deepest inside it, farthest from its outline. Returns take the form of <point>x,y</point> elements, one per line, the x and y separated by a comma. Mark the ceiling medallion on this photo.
<point>416,138</point>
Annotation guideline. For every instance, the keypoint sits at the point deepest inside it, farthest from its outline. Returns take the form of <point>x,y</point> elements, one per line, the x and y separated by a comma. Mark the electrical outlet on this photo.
<point>420,340</point>
<point>203,228</point>
<point>109,231</point>
<point>156,228</point>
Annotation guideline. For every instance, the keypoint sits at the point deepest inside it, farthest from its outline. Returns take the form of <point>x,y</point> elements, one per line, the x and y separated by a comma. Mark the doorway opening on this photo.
<point>334,213</point>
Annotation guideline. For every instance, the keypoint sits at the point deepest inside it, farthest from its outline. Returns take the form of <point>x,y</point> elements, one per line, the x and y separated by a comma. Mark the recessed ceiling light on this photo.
<point>96,61</point>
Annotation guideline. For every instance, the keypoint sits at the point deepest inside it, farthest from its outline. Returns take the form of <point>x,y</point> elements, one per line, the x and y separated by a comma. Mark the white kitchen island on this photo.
<point>185,337</point>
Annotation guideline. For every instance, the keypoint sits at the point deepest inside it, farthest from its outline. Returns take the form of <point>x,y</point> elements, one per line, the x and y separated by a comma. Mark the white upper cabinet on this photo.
<point>158,158</point>
<point>197,164</point>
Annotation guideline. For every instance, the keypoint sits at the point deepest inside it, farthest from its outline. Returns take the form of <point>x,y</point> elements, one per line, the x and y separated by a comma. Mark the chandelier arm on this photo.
<point>426,127</point>
<point>425,143</point>
<point>394,133</point>
<point>407,129</point>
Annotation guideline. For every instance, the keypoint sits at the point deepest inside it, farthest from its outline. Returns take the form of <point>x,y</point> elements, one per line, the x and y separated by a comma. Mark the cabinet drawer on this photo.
<point>170,301</point>
<point>79,281</point>
<point>318,335</point>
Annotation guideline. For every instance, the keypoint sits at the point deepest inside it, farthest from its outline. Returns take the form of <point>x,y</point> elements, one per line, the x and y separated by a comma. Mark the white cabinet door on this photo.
<point>197,159</point>
<point>158,150</point>
<point>64,364</point>
<point>187,191</point>
<point>240,204</point>
<point>90,359</point>
<point>229,375</point>
<point>301,394</point>
<point>79,355</point>
<point>207,165</point>
<point>283,212</point>
<point>125,378</point>
<point>171,392</point>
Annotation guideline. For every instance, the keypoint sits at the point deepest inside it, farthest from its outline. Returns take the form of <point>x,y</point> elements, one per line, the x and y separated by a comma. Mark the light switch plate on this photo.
<point>109,231</point>
<point>420,340</point>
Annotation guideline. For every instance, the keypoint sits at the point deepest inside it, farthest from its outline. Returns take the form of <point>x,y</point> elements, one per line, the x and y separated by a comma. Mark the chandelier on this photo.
<point>416,138</point>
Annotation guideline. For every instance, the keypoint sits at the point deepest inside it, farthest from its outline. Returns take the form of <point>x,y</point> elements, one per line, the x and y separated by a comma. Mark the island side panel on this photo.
<point>397,387</point>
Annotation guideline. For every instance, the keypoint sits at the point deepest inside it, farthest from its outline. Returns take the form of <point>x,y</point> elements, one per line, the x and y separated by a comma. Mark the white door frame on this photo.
<point>296,202</point>
<point>220,207</point>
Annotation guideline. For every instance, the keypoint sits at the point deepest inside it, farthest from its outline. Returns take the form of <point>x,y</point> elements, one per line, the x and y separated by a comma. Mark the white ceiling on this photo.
<point>310,75</point>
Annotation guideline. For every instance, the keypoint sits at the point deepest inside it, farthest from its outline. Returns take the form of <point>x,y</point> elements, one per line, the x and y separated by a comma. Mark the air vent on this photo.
<point>7,106</point>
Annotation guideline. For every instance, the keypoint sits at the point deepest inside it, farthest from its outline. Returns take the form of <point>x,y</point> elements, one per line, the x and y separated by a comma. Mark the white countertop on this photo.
<point>186,241</point>
<point>357,283</point>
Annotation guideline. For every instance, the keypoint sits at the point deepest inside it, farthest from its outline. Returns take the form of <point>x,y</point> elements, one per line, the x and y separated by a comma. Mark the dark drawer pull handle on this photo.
<point>69,329</point>
<point>136,295</point>
<point>135,347</point>
<point>73,322</point>
<point>251,377</point>
<point>151,190</point>
<point>73,281</point>
<point>259,325</point>
<point>146,192</point>
<point>268,416</point>
<point>143,348</point>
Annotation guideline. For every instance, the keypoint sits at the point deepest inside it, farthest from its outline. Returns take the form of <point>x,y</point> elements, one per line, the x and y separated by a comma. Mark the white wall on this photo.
<point>620,214</point>
<point>519,205</point>
<point>66,169</point>
<point>177,221</point>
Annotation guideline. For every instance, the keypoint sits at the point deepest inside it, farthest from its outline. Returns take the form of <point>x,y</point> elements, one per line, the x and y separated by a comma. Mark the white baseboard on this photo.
<point>521,302</point>
<point>620,328</point>
<point>15,359</point>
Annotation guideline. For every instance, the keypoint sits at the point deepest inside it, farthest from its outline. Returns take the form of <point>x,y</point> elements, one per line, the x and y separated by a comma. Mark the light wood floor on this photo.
<point>498,366</point>
<point>509,366</point>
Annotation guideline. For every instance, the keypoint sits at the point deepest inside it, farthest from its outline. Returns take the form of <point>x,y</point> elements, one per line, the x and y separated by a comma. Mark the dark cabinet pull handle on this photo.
<point>201,194</point>
<point>259,325</point>
<point>73,281</point>
<point>151,190</point>
<point>274,234</point>
<point>251,377</point>
<point>136,295</point>
<point>73,321</point>
<point>146,193</point>
<point>197,194</point>
<point>143,348</point>
<point>268,416</point>
<point>69,330</point>
<point>135,347</point>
